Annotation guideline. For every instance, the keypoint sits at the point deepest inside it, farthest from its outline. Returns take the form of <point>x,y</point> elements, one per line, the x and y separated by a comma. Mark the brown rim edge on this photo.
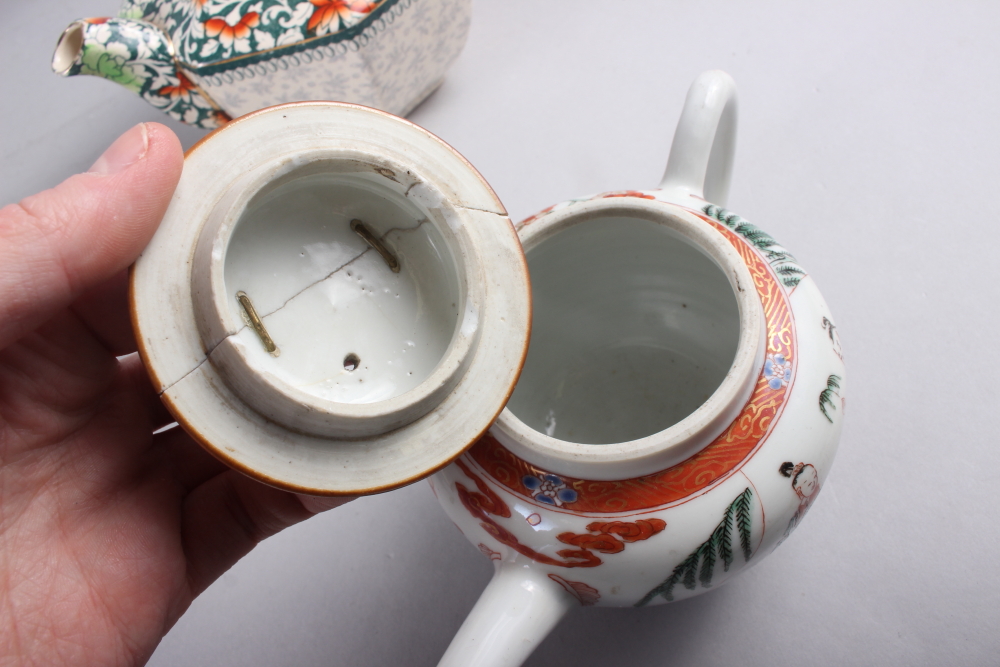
<point>218,453</point>
<point>265,479</point>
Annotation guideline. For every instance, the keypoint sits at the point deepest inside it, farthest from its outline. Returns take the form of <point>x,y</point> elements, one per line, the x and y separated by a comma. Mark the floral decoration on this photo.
<point>777,371</point>
<point>142,60</point>
<point>333,15</point>
<point>161,49</point>
<point>205,32</point>
<point>231,37</point>
<point>549,489</point>
<point>721,458</point>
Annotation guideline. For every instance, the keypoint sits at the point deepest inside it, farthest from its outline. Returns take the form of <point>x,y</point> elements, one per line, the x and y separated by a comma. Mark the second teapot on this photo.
<point>206,61</point>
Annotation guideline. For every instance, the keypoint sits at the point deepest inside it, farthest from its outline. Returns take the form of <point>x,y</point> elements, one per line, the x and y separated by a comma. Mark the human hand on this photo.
<point>107,531</point>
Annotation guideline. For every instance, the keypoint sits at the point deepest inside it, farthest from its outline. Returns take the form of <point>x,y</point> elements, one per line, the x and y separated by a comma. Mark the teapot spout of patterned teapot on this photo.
<point>203,63</point>
<point>127,51</point>
<point>683,381</point>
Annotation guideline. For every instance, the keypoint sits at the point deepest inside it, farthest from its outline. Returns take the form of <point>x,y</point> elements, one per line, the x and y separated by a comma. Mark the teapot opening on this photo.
<point>69,47</point>
<point>634,328</point>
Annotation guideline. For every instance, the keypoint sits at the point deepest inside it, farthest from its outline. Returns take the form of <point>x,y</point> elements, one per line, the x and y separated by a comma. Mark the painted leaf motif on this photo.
<point>782,261</point>
<point>719,542</point>
<point>826,396</point>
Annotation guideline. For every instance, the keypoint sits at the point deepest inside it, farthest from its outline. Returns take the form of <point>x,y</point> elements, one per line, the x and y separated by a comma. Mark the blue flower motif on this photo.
<point>567,495</point>
<point>549,489</point>
<point>777,370</point>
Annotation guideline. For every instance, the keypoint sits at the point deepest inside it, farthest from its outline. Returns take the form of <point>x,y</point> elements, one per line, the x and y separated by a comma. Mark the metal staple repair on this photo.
<point>361,230</point>
<point>256,323</point>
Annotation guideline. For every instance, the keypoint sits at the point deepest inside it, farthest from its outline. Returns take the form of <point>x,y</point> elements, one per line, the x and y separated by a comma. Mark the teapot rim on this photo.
<point>663,449</point>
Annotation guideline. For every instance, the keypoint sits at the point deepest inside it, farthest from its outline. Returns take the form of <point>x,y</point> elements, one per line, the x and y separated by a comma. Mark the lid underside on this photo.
<point>262,308</point>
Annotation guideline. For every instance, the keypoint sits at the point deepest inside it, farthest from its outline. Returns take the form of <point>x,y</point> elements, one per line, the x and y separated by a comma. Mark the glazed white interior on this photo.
<point>647,339</point>
<point>634,328</point>
<point>361,349</point>
<point>348,328</point>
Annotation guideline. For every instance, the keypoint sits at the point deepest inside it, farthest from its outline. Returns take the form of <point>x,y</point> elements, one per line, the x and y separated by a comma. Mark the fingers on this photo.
<point>224,518</point>
<point>56,245</point>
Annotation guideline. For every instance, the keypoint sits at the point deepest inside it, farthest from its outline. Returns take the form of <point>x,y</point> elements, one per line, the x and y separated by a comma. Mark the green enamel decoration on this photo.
<point>699,566</point>
<point>826,396</point>
<point>782,261</point>
<point>137,55</point>
<point>272,28</point>
<point>97,61</point>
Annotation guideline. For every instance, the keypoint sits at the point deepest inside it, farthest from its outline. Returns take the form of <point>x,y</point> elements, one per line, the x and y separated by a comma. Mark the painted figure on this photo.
<point>805,483</point>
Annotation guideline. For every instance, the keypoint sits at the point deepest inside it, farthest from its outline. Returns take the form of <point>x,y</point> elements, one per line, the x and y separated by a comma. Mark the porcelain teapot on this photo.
<point>206,61</point>
<point>678,411</point>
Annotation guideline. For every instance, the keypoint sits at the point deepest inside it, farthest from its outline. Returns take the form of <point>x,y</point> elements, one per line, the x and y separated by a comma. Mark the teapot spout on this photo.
<point>139,56</point>
<point>518,609</point>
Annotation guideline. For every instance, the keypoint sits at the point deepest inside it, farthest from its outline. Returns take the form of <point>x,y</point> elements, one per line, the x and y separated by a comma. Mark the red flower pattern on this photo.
<point>329,14</point>
<point>181,91</point>
<point>228,34</point>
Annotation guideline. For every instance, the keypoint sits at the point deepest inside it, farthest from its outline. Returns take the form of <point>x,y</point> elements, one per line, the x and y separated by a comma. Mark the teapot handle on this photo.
<point>701,156</point>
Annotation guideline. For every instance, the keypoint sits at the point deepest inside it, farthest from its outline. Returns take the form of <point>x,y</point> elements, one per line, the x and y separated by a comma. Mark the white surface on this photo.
<point>515,613</point>
<point>629,378</point>
<point>867,145</point>
<point>268,427</point>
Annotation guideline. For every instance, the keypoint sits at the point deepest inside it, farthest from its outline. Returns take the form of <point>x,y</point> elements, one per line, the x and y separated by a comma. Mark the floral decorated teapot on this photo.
<point>678,411</point>
<point>206,61</point>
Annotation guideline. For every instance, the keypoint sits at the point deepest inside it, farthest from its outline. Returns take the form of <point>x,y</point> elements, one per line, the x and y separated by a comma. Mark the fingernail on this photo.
<point>126,151</point>
<point>317,504</point>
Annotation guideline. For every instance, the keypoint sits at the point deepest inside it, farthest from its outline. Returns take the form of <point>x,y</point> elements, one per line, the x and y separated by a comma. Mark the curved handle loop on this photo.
<point>701,157</point>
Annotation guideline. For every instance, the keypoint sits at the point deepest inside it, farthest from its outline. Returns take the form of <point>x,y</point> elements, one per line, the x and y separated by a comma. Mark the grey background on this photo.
<point>868,143</point>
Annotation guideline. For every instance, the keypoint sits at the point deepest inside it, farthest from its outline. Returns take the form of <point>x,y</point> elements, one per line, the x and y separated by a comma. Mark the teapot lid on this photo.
<point>335,303</point>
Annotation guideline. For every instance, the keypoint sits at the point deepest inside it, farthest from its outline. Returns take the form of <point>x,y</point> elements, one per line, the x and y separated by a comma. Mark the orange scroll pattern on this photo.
<point>609,536</point>
<point>719,459</point>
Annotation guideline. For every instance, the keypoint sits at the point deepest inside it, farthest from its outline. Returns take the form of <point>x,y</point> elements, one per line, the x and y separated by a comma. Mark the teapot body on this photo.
<point>678,410</point>
<point>646,539</point>
<point>205,61</point>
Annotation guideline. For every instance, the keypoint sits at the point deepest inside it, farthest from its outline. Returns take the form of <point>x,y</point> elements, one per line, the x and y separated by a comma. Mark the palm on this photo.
<point>88,497</point>
<point>108,530</point>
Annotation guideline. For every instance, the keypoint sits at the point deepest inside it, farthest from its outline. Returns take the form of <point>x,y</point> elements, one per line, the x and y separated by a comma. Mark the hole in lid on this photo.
<point>351,361</point>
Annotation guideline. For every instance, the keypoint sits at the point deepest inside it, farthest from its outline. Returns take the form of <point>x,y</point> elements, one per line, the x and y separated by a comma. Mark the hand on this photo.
<point>107,531</point>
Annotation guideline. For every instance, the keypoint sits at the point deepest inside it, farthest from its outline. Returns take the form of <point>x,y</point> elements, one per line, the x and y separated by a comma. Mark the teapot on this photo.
<point>346,309</point>
<point>678,411</point>
<point>204,62</point>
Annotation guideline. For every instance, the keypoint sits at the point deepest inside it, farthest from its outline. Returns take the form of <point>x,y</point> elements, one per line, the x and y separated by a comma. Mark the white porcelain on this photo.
<point>678,411</point>
<point>377,377</point>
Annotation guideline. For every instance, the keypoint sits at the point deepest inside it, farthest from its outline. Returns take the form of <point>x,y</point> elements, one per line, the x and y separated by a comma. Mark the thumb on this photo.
<point>57,244</point>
